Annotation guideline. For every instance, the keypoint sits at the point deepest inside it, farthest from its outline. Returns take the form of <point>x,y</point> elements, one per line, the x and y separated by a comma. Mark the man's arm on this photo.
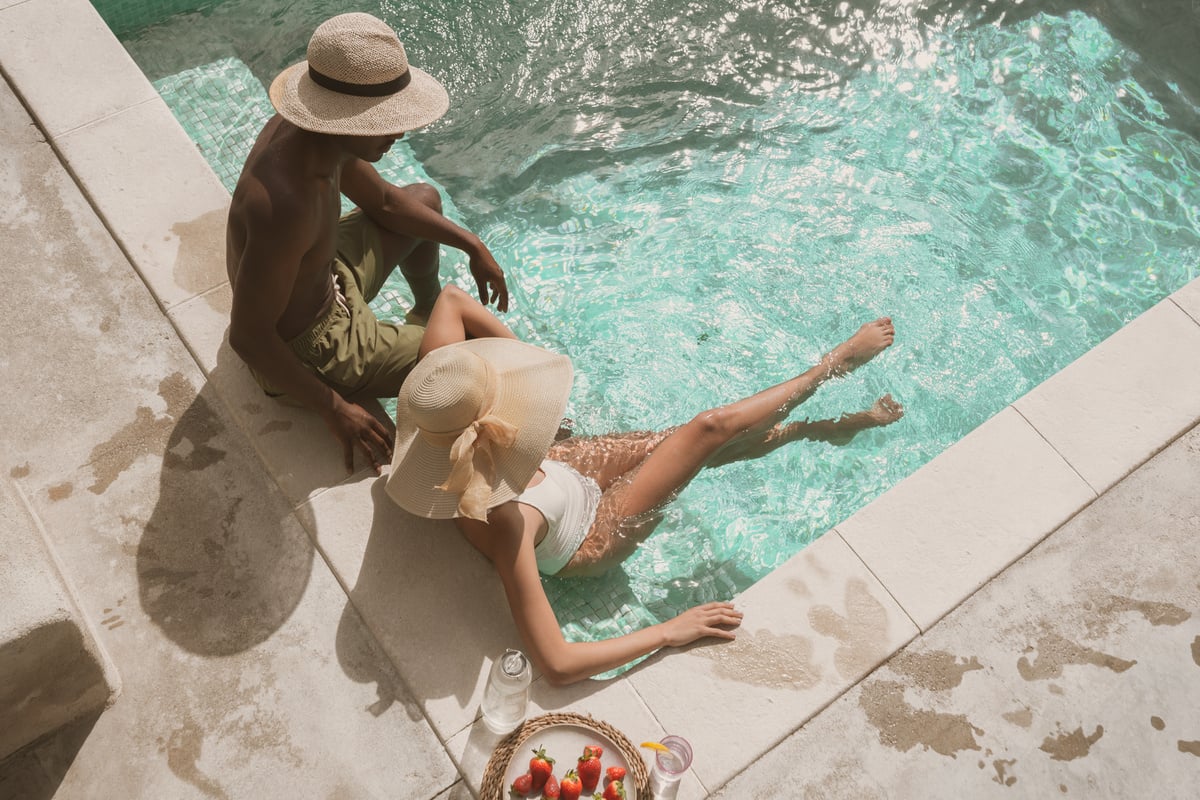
<point>404,214</point>
<point>265,278</point>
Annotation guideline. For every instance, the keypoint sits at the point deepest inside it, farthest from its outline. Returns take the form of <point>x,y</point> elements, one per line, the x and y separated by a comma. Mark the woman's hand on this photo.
<point>701,621</point>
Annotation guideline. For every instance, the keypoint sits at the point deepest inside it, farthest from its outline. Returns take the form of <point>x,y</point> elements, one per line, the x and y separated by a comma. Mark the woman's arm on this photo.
<point>507,541</point>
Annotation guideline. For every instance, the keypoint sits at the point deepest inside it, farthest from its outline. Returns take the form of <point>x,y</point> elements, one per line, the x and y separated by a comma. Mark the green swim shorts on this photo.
<point>349,348</point>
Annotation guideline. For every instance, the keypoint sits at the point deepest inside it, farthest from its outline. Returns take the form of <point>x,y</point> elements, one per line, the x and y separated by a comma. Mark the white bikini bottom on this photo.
<point>568,502</point>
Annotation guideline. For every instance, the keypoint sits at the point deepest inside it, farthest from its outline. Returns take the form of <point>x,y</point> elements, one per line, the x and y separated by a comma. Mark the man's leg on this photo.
<point>416,258</point>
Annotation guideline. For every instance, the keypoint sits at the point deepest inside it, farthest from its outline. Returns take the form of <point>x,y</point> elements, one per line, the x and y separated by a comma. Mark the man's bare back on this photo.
<point>282,195</point>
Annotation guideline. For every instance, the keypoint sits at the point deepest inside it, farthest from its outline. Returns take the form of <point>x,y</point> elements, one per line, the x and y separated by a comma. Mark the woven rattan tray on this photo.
<point>493,787</point>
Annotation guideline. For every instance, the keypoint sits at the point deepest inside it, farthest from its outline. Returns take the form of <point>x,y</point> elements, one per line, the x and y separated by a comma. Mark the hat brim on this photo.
<point>299,100</point>
<point>533,386</point>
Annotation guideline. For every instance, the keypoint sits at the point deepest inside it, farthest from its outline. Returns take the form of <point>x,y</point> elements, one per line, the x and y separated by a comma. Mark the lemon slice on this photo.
<point>660,747</point>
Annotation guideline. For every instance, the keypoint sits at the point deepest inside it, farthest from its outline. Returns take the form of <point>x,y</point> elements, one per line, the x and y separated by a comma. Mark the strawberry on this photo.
<point>550,790</point>
<point>589,768</point>
<point>614,791</point>
<point>614,774</point>
<point>594,749</point>
<point>570,786</point>
<point>523,786</point>
<point>541,767</point>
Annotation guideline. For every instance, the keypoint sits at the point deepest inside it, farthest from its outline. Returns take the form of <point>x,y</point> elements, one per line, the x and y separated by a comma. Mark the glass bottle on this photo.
<point>669,767</point>
<point>507,692</point>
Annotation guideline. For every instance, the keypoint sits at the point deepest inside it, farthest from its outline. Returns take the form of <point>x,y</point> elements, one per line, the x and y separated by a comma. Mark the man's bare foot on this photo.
<point>869,341</point>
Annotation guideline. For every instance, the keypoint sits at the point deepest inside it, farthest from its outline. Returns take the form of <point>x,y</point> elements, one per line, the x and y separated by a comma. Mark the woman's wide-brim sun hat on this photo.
<point>356,81</point>
<point>474,420</point>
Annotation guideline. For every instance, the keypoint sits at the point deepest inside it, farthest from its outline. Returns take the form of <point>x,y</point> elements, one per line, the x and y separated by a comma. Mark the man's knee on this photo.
<point>426,195</point>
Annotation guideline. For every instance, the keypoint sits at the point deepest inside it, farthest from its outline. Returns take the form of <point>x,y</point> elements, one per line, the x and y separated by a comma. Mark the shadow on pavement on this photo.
<point>222,563</point>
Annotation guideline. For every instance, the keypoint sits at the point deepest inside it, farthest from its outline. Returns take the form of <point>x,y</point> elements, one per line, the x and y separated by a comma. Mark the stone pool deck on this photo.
<point>1019,618</point>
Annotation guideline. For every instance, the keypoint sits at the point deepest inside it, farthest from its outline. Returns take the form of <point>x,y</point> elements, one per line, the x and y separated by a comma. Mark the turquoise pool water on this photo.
<point>696,199</point>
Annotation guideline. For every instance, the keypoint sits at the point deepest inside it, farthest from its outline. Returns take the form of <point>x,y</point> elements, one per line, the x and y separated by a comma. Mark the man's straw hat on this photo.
<point>357,81</point>
<point>474,420</point>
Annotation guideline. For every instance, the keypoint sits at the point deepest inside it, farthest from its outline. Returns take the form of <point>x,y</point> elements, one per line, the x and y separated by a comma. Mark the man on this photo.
<point>302,277</point>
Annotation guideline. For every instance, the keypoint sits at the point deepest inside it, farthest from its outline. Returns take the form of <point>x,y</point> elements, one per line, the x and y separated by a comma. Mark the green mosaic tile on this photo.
<point>222,107</point>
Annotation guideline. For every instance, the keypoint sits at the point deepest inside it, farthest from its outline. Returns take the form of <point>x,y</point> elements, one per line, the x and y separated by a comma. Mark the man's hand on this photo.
<point>489,278</point>
<point>354,426</point>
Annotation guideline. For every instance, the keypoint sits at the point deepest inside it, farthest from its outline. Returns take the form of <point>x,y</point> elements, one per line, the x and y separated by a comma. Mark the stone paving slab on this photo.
<point>944,531</point>
<point>813,628</point>
<point>127,163</point>
<point>1075,673</point>
<point>53,672</point>
<point>430,599</point>
<point>60,53</point>
<point>458,791</point>
<point>244,673</point>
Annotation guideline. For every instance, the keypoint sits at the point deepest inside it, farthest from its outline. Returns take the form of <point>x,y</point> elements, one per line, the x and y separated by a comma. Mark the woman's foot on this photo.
<point>869,341</point>
<point>884,411</point>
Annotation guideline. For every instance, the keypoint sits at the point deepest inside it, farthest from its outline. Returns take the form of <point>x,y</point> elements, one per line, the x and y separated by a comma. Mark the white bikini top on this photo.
<point>568,501</point>
<point>548,498</point>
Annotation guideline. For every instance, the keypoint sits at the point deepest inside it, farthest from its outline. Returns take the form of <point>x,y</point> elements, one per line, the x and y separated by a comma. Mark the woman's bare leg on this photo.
<point>627,509</point>
<point>677,459</point>
<point>884,411</point>
<point>607,457</point>
<point>456,317</point>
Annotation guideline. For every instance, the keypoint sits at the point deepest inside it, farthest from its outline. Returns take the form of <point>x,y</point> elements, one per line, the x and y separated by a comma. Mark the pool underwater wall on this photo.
<point>124,16</point>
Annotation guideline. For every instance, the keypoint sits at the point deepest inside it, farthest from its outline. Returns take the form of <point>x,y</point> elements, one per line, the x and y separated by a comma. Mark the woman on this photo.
<point>476,423</point>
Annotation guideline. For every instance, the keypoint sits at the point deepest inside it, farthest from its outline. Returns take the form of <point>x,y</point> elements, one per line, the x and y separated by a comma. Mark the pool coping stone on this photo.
<point>1112,410</point>
<point>941,533</point>
<point>128,164</point>
<point>1188,299</point>
<point>56,68</point>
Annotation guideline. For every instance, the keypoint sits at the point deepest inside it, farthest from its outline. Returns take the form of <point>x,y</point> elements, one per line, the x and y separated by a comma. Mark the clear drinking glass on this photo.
<point>669,767</point>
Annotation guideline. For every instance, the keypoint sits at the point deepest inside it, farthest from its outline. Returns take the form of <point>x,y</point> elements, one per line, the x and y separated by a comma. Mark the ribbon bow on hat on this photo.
<point>472,466</point>
<point>473,421</point>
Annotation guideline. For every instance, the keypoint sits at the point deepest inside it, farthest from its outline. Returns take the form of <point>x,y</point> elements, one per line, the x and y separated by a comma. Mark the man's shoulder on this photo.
<point>276,170</point>
<point>270,194</point>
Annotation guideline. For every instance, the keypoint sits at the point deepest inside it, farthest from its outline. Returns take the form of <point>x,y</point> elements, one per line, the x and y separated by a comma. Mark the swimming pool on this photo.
<point>697,199</point>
